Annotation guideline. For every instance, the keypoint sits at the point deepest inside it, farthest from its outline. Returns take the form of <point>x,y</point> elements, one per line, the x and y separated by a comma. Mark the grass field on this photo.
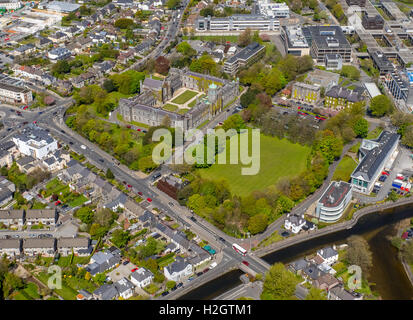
<point>374,134</point>
<point>278,158</point>
<point>344,169</point>
<point>193,102</point>
<point>170,107</point>
<point>184,97</point>
<point>183,110</point>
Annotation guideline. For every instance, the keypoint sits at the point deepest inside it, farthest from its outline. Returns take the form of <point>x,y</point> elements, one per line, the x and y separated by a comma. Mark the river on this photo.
<point>387,274</point>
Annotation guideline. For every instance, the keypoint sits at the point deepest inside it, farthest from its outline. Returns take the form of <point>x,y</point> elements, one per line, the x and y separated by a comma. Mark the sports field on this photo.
<point>278,158</point>
<point>184,97</point>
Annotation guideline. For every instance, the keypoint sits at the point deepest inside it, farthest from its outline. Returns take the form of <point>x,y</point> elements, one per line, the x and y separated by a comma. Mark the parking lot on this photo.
<point>121,271</point>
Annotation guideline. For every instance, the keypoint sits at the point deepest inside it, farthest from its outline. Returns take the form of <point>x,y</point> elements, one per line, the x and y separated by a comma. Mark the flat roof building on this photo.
<point>294,41</point>
<point>374,155</point>
<point>244,58</point>
<point>272,9</point>
<point>325,40</point>
<point>237,22</point>
<point>371,22</point>
<point>381,62</point>
<point>400,85</point>
<point>59,6</point>
<point>334,201</point>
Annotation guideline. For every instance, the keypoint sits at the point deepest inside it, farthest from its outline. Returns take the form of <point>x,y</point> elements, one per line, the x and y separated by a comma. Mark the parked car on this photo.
<point>125,263</point>
<point>180,284</point>
<point>134,269</point>
<point>57,202</point>
<point>140,193</point>
<point>174,288</point>
<point>165,293</point>
<point>193,219</point>
<point>285,234</point>
<point>205,270</point>
<point>149,199</point>
<point>246,263</point>
<point>199,274</point>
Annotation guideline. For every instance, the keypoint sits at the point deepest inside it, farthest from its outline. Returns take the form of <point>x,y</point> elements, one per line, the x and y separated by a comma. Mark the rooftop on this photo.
<point>335,194</point>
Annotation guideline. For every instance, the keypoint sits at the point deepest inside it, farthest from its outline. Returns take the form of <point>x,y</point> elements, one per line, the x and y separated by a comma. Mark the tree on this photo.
<point>407,138</point>
<point>258,223</point>
<point>350,72</point>
<point>361,128</point>
<point>146,164</point>
<point>103,217</point>
<point>316,294</point>
<point>85,214</point>
<point>279,283</point>
<point>234,122</point>
<point>172,4</point>
<point>208,11</point>
<point>380,105</point>
<point>162,65</point>
<point>186,49</point>
<point>170,285</point>
<point>120,238</point>
<point>205,64</point>
<point>358,253</point>
<point>108,85</point>
<point>245,38</point>
<point>60,67</point>
<point>11,283</point>
<point>109,174</point>
<point>124,23</point>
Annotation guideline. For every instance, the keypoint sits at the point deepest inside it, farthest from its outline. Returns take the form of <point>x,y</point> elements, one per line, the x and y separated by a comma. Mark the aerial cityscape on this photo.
<point>206,150</point>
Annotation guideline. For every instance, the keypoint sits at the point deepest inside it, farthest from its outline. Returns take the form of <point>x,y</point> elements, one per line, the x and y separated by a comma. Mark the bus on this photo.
<point>239,249</point>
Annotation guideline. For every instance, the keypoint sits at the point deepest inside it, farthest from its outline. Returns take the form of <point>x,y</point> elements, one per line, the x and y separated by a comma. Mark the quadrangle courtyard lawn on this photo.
<point>278,159</point>
<point>184,97</point>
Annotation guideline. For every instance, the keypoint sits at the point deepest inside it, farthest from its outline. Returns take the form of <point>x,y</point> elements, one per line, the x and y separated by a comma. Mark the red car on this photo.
<point>138,129</point>
<point>140,193</point>
<point>128,127</point>
<point>39,195</point>
<point>25,107</point>
<point>134,269</point>
<point>149,199</point>
<point>57,202</point>
<point>246,263</point>
<point>35,122</point>
<point>129,186</point>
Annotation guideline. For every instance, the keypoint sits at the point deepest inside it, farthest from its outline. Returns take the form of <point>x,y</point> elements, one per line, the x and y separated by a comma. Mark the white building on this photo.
<point>10,4</point>
<point>329,255</point>
<point>10,247</point>
<point>15,94</point>
<point>124,288</point>
<point>35,142</point>
<point>178,269</point>
<point>273,9</point>
<point>332,204</point>
<point>47,217</point>
<point>141,277</point>
<point>35,246</point>
<point>59,54</point>
<point>238,22</point>
<point>294,222</point>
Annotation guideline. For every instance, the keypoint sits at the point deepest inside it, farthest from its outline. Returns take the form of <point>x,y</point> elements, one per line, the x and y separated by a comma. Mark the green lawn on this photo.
<point>184,97</point>
<point>78,200</point>
<point>170,107</point>
<point>56,187</point>
<point>278,158</point>
<point>344,169</point>
<point>151,289</point>
<point>275,237</point>
<point>66,292</point>
<point>183,110</point>
<point>355,148</point>
<point>193,102</point>
<point>38,205</point>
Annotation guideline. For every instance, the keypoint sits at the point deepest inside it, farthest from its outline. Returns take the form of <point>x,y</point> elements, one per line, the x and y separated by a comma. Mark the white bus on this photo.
<point>239,249</point>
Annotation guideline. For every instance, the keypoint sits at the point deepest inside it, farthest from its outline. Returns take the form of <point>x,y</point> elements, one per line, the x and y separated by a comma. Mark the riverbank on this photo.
<point>407,268</point>
<point>333,228</point>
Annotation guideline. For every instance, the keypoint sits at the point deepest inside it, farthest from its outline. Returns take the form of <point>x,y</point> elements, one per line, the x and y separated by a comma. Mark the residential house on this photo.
<point>24,50</point>
<point>27,164</point>
<point>78,246</point>
<point>7,189</point>
<point>294,222</point>
<point>102,261</point>
<point>311,273</point>
<point>178,269</point>
<point>56,161</point>
<point>124,288</point>
<point>329,255</point>
<point>326,282</point>
<point>339,293</point>
<point>35,246</point>
<point>12,217</point>
<point>124,57</point>
<point>44,216</point>
<point>10,247</point>
<point>105,292</point>
<point>58,37</point>
<point>84,295</point>
<point>141,277</point>
<point>299,265</point>
<point>42,42</point>
<point>8,152</point>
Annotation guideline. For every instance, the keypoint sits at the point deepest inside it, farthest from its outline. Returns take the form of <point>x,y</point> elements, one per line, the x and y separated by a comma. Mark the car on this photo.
<point>180,284</point>
<point>125,262</point>
<point>24,123</point>
<point>128,126</point>
<point>129,186</point>
<point>174,288</point>
<point>205,270</point>
<point>199,274</point>
<point>220,123</point>
<point>134,269</point>
<point>171,204</point>
<point>193,219</point>
<point>149,199</point>
<point>65,206</point>
<point>140,193</point>
<point>221,239</point>
<point>190,278</point>
<point>285,234</point>
<point>34,122</point>
<point>101,160</point>
<point>71,143</point>
<point>40,112</point>
<point>138,129</point>
<point>245,262</point>
<point>144,131</point>
<point>83,147</point>
<point>39,195</point>
<point>62,131</point>
<point>25,107</point>
<point>58,202</point>
<point>165,293</point>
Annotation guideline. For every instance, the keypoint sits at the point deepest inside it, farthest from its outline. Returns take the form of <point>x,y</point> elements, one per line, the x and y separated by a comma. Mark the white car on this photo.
<point>83,147</point>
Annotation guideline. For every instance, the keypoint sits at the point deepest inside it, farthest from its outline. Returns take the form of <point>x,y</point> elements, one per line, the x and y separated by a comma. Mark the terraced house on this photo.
<point>12,217</point>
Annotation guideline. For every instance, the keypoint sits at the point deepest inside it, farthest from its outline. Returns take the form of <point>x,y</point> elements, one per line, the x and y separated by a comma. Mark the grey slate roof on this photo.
<point>73,242</point>
<point>327,252</point>
<point>106,292</point>
<point>40,213</point>
<point>10,243</point>
<point>11,214</point>
<point>38,243</point>
<point>141,274</point>
<point>178,266</point>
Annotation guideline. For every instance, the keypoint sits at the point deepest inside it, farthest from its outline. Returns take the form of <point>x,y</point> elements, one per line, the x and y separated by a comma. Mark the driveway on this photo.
<point>121,272</point>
